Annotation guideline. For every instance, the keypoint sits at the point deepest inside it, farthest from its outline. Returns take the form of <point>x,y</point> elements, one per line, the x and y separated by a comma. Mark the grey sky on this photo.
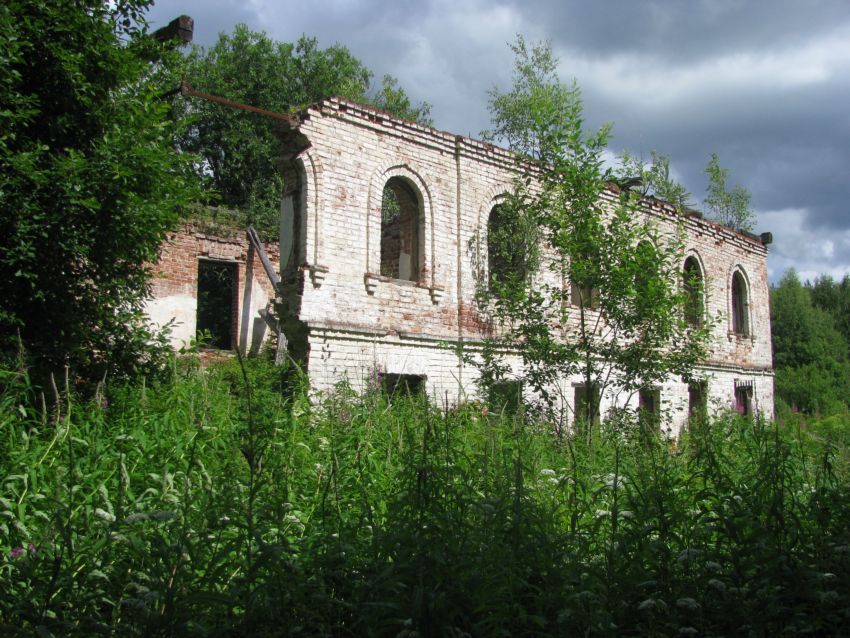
<point>766,85</point>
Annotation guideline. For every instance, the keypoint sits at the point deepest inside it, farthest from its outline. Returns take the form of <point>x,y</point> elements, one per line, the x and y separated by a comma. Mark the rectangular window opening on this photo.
<point>697,403</point>
<point>744,398</point>
<point>649,410</point>
<point>217,303</point>
<point>585,296</point>
<point>586,414</point>
<point>403,384</point>
<point>505,396</point>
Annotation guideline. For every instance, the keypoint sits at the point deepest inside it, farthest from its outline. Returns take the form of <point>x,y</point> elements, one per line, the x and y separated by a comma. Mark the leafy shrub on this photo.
<point>216,504</point>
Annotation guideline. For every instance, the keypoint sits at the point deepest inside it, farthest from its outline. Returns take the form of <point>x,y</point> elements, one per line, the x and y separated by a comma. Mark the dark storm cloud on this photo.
<point>764,84</point>
<point>689,30</point>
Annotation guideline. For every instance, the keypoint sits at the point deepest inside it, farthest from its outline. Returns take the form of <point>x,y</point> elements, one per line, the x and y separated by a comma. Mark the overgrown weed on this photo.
<point>214,503</point>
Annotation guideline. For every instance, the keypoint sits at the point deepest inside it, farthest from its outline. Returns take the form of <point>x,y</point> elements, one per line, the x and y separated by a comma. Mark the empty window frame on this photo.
<point>507,258</point>
<point>505,397</point>
<point>584,296</point>
<point>694,285</point>
<point>697,400</point>
<point>217,303</point>
<point>744,398</point>
<point>586,405</point>
<point>740,303</point>
<point>649,410</point>
<point>403,384</point>
<point>401,220</point>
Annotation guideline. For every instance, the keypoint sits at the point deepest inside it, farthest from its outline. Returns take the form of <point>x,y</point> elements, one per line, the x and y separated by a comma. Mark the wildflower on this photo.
<point>688,603</point>
<point>164,516</point>
<point>613,481</point>
<point>717,585</point>
<point>687,554</point>
<point>31,549</point>
<point>647,605</point>
<point>104,515</point>
<point>138,516</point>
<point>16,553</point>
<point>627,514</point>
<point>547,472</point>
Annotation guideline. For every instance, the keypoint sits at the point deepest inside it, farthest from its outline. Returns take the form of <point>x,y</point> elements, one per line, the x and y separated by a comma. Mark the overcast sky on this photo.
<point>765,84</point>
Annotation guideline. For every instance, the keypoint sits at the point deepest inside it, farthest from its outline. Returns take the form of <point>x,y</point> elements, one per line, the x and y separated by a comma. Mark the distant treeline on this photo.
<point>811,344</point>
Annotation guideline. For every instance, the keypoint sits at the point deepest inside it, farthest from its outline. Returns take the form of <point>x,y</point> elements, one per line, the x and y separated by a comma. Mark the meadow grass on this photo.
<point>227,503</point>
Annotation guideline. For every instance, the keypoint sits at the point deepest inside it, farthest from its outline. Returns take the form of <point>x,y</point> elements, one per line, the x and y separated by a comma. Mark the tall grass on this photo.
<point>224,503</point>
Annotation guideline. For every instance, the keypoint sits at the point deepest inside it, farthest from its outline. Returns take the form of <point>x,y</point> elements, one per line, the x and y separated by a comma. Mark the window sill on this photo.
<point>372,280</point>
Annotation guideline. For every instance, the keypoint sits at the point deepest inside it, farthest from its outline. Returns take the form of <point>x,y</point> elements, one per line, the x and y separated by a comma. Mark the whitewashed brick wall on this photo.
<point>359,322</point>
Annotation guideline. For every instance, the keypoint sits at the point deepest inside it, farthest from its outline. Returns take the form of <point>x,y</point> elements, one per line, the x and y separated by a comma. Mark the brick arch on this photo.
<point>703,271</point>
<point>312,166</point>
<point>419,186</point>
<point>738,269</point>
<point>493,196</point>
<point>300,212</point>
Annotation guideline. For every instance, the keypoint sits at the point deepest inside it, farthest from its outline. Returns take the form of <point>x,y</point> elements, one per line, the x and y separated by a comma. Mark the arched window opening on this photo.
<point>400,231</point>
<point>646,260</point>
<point>693,286</point>
<point>739,305</point>
<point>498,262</point>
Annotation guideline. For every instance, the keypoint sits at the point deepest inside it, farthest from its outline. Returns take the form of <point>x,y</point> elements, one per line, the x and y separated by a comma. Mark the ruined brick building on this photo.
<point>362,292</point>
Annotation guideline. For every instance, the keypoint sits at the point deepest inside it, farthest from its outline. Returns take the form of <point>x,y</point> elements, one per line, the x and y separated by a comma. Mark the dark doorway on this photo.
<point>217,291</point>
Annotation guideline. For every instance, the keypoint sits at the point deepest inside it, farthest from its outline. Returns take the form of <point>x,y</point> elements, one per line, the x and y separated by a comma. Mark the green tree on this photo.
<point>239,150</point>
<point>651,177</point>
<point>725,205</point>
<point>599,297</point>
<point>833,297</point>
<point>809,355</point>
<point>89,182</point>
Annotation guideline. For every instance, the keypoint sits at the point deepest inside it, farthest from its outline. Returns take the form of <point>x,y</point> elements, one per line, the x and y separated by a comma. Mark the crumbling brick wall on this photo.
<point>365,294</point>
<point>358,315</point>
<point>175,285</point>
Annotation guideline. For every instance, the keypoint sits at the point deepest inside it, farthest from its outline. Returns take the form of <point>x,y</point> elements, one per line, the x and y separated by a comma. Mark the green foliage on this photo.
<point>216,504</point>
<point>651,177</point>
<point>730,207</point>
<point>89,183</point>
<point>602,301</point>
<point>833,297</point>
<point>810,356</point>
<point>239,150</point>
<point>392,98</point>
<point>529,119</point>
